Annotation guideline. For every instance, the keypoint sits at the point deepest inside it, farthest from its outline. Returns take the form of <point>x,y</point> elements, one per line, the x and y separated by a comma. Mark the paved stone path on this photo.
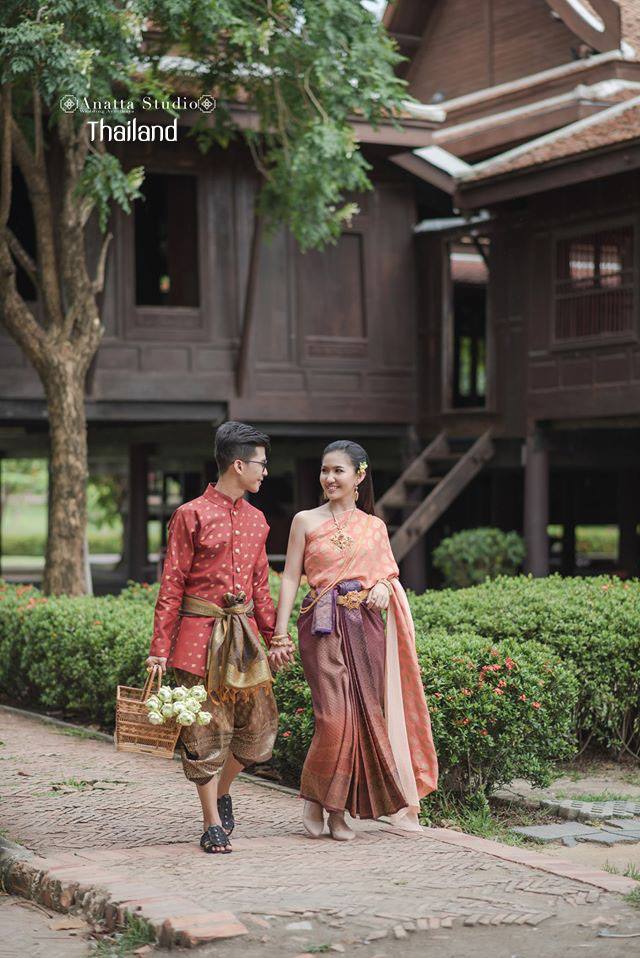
<point>130,824</point>
<point>31,932</point>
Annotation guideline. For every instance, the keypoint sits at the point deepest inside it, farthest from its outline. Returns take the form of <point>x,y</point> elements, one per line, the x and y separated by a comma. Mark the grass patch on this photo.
<point>633,898</point>
<point>78,783</point>
<point>594,796</point>
<point>80,733</point>
<point>486,819</point>
<point>137,933</point>
<point>630,871</point>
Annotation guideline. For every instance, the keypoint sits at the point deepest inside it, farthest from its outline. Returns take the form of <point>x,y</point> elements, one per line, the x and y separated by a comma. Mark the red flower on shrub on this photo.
<point>536,705</point>
<point>483,731</point>
<point>523,697</point>
<point>299,711</point>
<point>509,663</point>
<point>494,652</point>
<point>286,734</point>
<point>498,691</point>
<point>502,683</point>
<point>466,691</point>
<point>437,695</point>
<point>464,722</point>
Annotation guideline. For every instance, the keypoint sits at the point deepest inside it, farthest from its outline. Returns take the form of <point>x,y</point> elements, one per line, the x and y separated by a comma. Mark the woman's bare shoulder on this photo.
<point>309,519</point>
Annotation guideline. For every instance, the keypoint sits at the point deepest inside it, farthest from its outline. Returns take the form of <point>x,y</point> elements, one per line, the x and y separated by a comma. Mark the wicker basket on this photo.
<point>134,731</point>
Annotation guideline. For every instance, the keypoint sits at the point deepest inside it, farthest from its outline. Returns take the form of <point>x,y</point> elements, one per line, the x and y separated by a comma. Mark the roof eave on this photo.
<point>565,171</point>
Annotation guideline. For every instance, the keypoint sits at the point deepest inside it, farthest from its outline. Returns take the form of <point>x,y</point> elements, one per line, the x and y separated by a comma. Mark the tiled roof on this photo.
<point>616,125</point>
<point>630,10</point>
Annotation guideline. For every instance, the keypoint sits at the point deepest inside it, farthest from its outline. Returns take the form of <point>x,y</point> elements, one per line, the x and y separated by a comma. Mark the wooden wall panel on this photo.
<point>527,39</point>
<point>391,288</point>
<point>469,46</point>
<point>581,379</point>
<point>453,58</point>
<point>331,289</point>
<point>275,339</point>
<point>334,332</point>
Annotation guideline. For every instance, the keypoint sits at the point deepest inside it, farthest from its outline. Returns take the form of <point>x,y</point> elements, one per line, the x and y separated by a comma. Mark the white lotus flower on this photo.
<point>184,717</point>
<point>153,702</point>
<point>167,710</point>
<point>203,718</point>
<point>156,718</point>
<point>192,704</point>
<point>180,693</point>
<point>165,694</point>
<point>199,693</point>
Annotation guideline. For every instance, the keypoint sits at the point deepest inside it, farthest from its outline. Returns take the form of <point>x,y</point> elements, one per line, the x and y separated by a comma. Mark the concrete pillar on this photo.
<point>536,503</point>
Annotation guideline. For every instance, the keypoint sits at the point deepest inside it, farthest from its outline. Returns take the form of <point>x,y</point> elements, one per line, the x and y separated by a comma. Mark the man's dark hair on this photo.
<point>237,440</point>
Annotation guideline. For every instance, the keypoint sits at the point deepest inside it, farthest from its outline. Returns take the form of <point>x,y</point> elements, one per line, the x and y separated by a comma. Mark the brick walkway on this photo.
<point>130,824</point>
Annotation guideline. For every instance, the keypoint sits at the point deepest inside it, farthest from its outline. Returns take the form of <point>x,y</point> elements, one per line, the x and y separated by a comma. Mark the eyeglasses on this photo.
<point>259,462</point>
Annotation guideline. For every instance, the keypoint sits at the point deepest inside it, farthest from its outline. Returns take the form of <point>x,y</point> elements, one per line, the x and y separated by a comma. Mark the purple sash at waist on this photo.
<point>324,611</point>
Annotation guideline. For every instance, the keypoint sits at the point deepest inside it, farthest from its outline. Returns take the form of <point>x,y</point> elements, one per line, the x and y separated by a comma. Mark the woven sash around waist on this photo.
<point>236,660</point>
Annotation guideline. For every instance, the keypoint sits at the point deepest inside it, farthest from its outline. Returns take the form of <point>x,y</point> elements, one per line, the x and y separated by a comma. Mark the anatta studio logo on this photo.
<point>134,130</point>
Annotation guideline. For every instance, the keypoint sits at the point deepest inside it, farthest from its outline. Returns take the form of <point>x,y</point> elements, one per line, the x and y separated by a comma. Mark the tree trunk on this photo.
<point>64,386</point>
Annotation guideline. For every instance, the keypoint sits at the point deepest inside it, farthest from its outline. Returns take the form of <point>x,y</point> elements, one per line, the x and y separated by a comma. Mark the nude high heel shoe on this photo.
<point>313,819</point>
<point>339,829</point>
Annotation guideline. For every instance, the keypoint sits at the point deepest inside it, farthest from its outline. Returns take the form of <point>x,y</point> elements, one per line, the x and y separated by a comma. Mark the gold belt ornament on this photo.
<point>353,599</point>
<point>236,660</point>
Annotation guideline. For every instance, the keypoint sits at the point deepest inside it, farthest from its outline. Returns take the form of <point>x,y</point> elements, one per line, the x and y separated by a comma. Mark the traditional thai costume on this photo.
<point>372,752</point>
<point>213,604</point>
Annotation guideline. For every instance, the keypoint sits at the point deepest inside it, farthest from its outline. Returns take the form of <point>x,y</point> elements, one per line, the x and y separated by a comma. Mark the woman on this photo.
<point>372,753</point>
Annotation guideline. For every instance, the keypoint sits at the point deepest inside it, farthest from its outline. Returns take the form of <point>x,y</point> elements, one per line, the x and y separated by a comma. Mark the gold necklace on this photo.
<point>341,539</point>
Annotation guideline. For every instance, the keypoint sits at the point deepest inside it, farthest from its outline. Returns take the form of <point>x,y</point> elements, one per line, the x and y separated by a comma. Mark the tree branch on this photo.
<point>39,195</point>
<point>5,159</point>
<point>98,282</point>
<point>37,127</point>
<point>22,257</point>
<point>16,315</point>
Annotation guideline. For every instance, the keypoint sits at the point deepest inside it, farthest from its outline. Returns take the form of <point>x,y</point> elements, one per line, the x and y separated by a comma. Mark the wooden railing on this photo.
<point>440,473</point>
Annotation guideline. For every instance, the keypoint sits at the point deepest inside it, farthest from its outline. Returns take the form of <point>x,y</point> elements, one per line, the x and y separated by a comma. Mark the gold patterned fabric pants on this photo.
<point>246,727</point>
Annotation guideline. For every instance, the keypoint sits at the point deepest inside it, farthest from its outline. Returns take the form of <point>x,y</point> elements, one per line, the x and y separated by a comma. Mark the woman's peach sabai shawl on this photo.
<point>407,716</point>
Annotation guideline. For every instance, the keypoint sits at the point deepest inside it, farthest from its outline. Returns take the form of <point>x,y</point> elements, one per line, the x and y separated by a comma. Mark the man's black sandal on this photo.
<point>225,811</point>
<point>214,841</point>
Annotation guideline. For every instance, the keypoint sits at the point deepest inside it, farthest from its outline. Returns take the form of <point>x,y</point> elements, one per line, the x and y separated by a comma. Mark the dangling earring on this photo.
<point>356,494</point>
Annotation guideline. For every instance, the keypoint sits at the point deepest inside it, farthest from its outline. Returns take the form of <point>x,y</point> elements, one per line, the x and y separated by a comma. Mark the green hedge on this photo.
<point>68,654</point>
<point>508,668</point>
<point>473,555</point>
<point>591,623</point>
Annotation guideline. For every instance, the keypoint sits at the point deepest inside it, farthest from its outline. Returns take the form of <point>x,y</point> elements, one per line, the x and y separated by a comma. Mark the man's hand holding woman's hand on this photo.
<point>157,660</point>
<point>280,653</point>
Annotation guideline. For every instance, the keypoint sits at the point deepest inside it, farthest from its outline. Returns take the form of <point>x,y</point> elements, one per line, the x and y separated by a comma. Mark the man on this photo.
<point>213,603</point>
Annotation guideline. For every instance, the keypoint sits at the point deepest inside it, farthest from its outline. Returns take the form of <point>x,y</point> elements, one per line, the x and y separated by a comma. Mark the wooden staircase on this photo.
<point>429,485</point>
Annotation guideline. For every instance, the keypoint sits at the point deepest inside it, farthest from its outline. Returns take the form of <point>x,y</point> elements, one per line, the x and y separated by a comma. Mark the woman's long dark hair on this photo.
<point>356,454</point>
